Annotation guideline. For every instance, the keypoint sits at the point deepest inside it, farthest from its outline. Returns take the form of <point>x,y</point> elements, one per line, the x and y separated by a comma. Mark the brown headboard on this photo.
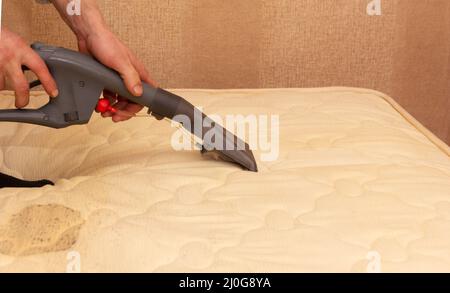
<point>279,43</point>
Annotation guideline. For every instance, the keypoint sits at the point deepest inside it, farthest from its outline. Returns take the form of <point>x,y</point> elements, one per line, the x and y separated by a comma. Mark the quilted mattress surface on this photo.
<point>359,185</point>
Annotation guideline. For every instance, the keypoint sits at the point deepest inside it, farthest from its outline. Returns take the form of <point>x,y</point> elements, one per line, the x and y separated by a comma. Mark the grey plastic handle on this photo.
<point>81,80</point>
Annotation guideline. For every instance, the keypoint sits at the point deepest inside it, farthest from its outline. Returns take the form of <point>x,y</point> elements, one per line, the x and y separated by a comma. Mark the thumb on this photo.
<point>131,78</point>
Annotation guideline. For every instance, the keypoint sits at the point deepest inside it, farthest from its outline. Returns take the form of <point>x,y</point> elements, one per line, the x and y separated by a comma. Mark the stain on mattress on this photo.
<point>39,229</point>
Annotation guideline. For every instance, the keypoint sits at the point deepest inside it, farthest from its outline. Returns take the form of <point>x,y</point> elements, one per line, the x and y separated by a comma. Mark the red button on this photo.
<point>104,106</point>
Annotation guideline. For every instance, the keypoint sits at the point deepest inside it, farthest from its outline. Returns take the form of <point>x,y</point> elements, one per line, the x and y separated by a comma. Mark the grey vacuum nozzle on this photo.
<point>81,80</point>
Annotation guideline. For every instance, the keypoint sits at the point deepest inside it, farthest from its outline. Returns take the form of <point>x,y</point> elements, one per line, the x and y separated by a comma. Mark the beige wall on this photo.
<point>280,43</point>
<point>17,16</point>
<point>421,64</point>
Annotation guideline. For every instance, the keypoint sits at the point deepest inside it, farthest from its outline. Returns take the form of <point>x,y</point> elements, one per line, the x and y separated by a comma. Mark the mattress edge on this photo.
<point>411,119</point>
<point>440,144</point>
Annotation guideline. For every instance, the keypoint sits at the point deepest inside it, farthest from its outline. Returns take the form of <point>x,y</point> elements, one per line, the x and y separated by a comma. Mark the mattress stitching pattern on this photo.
<point>327,203</point>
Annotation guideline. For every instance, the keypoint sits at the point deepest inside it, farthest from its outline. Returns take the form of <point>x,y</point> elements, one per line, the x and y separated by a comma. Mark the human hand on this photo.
<point>95,38</point>
<point>109,50</point>
<point>14,52</point>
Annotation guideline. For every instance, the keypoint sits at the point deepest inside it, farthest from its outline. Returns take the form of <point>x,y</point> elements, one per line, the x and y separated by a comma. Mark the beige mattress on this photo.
<point>359,185</point>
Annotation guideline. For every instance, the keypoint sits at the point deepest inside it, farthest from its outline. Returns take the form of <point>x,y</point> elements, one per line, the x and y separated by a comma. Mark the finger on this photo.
<point>38,66</point>
<point>20,86</point>
<point>143,73</point>
<point>107,114</point>
<point>120,105</point>
<point>133,108</point>
<point>130,107</point>
<point>126,111</point>
<point>130,77</point>
<point>82,47</point>
<point>119,117</point>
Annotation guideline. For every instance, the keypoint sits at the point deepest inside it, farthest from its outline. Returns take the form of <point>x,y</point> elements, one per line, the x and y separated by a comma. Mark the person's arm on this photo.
<point>95,38</point>
<point>15,52</point>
